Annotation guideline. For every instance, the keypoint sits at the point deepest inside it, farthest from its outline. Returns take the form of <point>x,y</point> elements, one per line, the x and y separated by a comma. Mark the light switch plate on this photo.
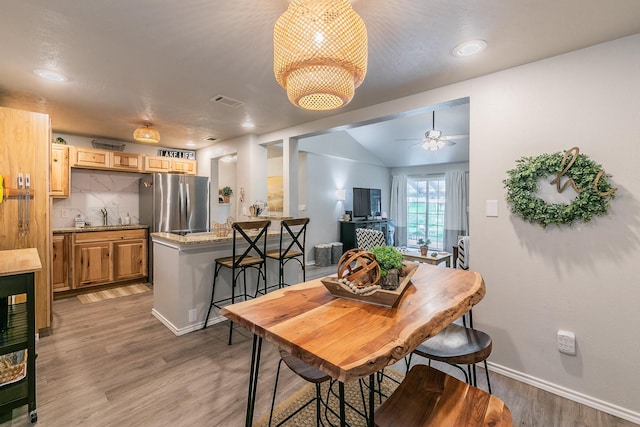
<point>492,208</point>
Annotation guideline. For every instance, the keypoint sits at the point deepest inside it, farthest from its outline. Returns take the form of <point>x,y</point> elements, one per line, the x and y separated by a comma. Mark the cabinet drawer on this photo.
<point>101,236</point>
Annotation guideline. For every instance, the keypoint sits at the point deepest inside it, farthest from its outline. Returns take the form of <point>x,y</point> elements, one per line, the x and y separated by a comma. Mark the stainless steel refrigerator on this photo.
<point>173,203</point>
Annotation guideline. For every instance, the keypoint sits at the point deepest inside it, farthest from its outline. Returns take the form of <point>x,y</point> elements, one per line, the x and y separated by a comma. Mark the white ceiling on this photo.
<point>161,61</point>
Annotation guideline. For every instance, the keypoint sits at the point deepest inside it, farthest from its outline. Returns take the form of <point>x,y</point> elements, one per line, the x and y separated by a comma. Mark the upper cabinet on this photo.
<point>157,164</point>
<point>93,158</point>
<point>59,171</point>
<point>183,166</point>
<point>126,161</point>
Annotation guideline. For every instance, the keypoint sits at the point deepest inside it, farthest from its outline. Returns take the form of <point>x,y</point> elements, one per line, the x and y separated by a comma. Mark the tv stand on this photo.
<point>348,230</point>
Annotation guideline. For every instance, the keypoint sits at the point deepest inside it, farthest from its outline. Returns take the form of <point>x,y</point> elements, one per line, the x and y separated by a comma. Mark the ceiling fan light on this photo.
<point>320,53</point>
<point>146,134</point>
<point>433,134</point>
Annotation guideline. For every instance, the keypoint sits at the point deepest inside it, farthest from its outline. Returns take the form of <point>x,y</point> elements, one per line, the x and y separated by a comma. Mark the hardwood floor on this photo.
<point>113,364</point>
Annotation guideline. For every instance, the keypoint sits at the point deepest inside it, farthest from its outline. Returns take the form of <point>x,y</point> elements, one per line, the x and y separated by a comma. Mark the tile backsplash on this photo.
<point>92,191</point>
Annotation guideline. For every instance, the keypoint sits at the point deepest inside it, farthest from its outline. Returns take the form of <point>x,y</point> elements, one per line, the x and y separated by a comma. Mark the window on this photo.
<point>425,210</point>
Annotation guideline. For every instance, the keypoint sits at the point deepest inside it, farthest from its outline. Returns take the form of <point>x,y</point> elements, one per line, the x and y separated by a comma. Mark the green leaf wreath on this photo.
<point>522,189</point>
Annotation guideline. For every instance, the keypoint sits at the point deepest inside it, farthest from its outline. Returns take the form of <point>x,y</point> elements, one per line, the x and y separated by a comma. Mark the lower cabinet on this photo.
<point>92,264</point>
<point>84,259</point>
<point>129,259</point>
<point>60,262</point>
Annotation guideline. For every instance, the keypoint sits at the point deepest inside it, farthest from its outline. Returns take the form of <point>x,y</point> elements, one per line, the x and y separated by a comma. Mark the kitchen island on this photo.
<point>183,277</point>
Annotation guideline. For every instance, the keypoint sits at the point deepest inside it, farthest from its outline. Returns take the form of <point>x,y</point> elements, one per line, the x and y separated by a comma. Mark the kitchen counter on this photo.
<point>183,276</point>
<point>63,230</point>
<point>200,238</point>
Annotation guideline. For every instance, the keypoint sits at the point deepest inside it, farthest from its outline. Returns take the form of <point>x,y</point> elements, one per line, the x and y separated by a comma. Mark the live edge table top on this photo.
<point>350,339</point>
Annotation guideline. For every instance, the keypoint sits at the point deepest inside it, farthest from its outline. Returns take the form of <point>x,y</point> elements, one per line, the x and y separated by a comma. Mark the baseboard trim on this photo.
<point>191,328</point>
<point>567,393</point>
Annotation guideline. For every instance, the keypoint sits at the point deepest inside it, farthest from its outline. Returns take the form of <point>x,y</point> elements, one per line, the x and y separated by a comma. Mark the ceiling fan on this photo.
<point>434,139</point>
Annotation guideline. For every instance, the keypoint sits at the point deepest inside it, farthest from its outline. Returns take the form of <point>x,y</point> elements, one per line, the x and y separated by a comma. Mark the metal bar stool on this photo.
<point>253,256</point>
<point>459,345</point>
<point>296,230</point>
<point>308,373</point>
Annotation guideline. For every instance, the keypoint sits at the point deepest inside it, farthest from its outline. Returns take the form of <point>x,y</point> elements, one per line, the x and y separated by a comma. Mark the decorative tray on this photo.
<point>387,298</point>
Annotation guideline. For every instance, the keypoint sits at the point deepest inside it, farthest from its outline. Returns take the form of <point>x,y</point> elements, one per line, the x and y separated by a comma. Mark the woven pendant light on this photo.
<point>320,53</point>
<point>146,134</point>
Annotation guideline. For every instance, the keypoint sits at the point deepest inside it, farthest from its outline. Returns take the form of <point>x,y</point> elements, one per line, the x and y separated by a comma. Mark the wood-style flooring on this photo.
<point>113,364</point>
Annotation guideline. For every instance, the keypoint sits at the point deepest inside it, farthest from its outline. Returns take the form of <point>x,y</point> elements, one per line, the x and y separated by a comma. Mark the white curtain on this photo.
<point>398,209</point>
<point>456,221</point>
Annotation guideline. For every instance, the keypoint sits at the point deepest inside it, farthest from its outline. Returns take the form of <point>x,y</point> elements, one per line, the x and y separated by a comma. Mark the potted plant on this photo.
<point>226,192</point>
<point>390,262</point>
<point>424,246</point>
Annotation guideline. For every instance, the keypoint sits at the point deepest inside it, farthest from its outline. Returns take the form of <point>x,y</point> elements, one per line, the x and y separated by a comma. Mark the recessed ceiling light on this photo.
<point>190,144</point>
<point>469,48</point>
<point>248,125</point>
<point>50,75</point>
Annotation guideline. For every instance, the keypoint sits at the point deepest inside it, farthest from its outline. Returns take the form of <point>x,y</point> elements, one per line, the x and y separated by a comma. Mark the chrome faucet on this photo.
<point>104,213</point>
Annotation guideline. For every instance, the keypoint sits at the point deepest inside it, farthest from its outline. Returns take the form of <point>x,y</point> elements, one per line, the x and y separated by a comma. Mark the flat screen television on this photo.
<point>367,202</point>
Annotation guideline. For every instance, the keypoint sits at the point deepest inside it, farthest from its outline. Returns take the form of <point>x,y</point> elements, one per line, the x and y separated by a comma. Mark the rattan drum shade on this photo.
<point>320,53</point>
<point>146,134</point>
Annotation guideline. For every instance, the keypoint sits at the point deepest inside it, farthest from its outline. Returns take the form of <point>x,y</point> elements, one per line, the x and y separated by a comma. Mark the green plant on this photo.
<point>227,191</point>
<point>422,242</point>
<point>522,187</point>
<point>388,258</point>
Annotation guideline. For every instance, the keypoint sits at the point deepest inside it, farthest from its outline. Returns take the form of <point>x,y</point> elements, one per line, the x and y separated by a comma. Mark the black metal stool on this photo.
<point>308,373</point>
<point>254,256</point>
<point>459,345</point>
<point>296,229</point>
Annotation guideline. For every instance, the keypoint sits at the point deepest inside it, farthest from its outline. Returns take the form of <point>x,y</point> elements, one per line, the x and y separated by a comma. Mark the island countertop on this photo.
<point>201,238</point>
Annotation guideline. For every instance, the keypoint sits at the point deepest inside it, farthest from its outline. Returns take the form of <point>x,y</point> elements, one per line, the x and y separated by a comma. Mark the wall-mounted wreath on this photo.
<point>584,175</point>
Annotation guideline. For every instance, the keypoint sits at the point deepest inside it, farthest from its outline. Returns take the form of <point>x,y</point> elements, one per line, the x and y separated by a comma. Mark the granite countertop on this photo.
<point>202,238</point>
<point>98,228</point>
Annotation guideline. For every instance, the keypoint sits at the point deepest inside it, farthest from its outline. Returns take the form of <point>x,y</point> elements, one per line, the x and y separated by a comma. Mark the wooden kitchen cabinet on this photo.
<point>60,262</point>
<point>157,164</point>
<point>92,158</point>
<point>129,259</point>
<point>92,264</point>
<point>59,176</point>
<point>105,257</point>
<point>183,166</point>
<point>126,161</point>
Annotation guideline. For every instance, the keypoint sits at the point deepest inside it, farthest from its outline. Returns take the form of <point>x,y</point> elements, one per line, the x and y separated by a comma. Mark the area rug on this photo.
<point>353,396</point>
<point>122,291</point>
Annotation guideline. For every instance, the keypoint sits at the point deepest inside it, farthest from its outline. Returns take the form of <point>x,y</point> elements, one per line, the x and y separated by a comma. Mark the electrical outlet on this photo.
<point>64,213</point>
<point>567,342</point>
<point>192,315</point>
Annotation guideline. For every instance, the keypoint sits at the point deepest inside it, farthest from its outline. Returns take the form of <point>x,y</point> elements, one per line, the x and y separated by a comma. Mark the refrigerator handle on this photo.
<point>181,205</point>
<point>187,201</point>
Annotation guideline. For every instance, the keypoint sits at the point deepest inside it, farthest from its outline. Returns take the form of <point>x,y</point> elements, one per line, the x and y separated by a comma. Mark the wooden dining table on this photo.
<point>350,339</point>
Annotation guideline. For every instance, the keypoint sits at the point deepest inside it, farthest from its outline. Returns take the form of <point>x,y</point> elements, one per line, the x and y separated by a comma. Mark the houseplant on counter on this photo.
<point>390,261</point>
<point>226,192</point>
<point>424,246</point>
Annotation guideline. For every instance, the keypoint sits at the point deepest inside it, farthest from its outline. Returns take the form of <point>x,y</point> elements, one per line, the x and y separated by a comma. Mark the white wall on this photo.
<point>582,278</point>
<point>326,174</point>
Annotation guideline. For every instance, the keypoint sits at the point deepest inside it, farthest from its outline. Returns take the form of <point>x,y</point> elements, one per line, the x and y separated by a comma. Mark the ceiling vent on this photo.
<point>105,144</point>
<point>210,138</point>
<point>225,100</point>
